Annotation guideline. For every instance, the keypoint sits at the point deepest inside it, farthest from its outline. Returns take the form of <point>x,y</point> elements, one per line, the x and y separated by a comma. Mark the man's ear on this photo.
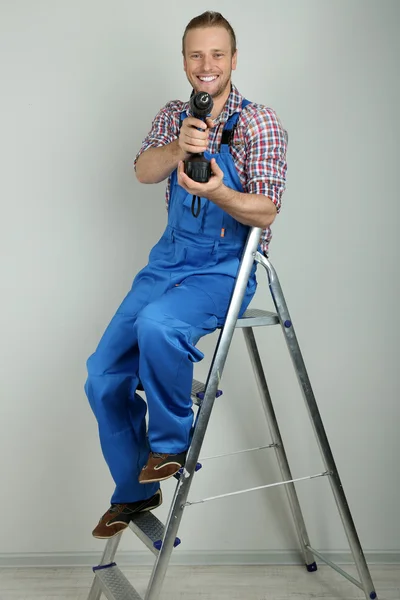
<point>234,60</point>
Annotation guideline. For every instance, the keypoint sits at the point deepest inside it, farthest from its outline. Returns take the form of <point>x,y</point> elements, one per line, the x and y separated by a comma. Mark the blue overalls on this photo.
<point>181,295</point>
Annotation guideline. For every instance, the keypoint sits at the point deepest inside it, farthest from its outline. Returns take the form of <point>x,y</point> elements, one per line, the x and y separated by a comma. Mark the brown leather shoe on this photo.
<point>161,466</point>
<point>118,516</point>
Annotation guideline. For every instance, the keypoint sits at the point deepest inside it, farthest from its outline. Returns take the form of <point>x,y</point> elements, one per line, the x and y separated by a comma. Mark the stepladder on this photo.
<point>162,538</point>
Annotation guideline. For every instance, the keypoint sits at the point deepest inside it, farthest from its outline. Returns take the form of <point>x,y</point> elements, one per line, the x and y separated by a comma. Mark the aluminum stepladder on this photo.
<point>161,539</point>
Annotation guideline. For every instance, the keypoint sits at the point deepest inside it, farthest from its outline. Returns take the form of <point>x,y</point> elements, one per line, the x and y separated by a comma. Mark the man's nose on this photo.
<point>207,63</point>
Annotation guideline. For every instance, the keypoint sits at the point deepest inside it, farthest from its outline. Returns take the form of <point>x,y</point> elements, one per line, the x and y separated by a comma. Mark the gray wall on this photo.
<point>81,82</point>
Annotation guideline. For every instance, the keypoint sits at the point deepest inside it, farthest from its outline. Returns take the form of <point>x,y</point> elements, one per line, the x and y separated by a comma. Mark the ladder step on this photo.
<point>114,584</point>
<point>198,392</point>
<point>255,317</point>
<point>150,531</point>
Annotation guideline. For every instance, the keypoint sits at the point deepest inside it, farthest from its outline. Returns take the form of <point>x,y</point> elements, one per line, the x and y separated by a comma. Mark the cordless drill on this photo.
<point>197,167</point>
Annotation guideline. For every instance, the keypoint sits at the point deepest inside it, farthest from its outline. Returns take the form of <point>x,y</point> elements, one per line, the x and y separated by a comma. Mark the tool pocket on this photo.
<point>188,221</point>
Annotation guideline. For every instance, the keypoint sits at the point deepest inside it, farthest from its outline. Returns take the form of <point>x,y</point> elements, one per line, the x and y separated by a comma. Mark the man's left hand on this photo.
<point>209,190</point>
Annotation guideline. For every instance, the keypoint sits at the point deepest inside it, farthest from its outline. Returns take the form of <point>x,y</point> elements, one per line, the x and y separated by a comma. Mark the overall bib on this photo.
<point>182,294</point>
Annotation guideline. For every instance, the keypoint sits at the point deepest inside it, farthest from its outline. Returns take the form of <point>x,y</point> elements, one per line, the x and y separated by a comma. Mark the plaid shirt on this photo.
<point>258,148</point>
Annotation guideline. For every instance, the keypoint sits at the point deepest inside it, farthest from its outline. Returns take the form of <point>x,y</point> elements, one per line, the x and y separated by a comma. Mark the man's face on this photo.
<point>208,60</point>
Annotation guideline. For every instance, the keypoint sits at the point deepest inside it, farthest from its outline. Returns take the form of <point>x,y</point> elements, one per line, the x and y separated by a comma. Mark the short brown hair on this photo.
<point>210,19</point>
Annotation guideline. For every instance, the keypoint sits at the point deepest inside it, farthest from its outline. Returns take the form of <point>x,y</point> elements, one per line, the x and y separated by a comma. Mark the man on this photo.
<point>184,291</point>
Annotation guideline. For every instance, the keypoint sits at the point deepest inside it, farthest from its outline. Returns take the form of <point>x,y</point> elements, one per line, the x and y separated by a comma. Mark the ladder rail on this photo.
<point>318,426</point>
<point>279,447</point>
<point>110,550</point>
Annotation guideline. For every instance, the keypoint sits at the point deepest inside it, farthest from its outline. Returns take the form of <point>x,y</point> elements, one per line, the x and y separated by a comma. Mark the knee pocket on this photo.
<point>153,331</point>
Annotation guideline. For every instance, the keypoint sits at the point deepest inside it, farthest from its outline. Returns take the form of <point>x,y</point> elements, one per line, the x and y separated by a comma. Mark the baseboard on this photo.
<point>194,558</point>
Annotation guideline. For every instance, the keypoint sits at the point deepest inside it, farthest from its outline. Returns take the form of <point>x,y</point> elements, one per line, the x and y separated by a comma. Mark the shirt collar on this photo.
<point>232,105</point>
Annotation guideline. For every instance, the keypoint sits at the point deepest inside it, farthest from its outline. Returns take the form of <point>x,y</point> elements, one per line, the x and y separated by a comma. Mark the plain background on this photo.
<point>80,85</point>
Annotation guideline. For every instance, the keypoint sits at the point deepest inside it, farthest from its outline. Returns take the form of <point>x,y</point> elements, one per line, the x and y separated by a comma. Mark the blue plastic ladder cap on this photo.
<point>200,395</point>
<point>107,566</point>
<point>372,595</point>
<point>158,544</point>
<point>288,324</point>
<point>197,468</point>
<point>313,567</point>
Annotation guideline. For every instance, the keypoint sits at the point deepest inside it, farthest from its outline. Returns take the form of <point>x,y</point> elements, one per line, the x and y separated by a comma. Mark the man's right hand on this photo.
<point>156,164</point>
<point>191,139</point>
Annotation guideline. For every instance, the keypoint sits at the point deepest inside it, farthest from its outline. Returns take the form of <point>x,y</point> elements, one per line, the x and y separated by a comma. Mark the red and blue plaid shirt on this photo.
<point>258,147</point>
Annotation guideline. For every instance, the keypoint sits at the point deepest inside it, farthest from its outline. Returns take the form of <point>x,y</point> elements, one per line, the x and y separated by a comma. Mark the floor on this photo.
<point>205,583</point>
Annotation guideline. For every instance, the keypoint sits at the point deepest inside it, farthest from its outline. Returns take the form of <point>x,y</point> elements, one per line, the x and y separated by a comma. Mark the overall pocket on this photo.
<point>188,221</point>
<point>163,253</point>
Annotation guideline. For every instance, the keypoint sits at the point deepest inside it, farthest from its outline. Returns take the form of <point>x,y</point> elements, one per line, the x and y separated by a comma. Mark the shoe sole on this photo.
<point>108,537</point>
<point>160,478</point>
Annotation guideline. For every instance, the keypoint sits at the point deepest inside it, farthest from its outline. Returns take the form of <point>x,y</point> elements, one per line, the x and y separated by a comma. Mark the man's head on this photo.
<point>209,53</point>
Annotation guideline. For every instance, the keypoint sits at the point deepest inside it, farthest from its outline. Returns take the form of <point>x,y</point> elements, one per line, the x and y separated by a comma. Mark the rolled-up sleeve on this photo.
<point>163,130</point>
<point>266,146</point>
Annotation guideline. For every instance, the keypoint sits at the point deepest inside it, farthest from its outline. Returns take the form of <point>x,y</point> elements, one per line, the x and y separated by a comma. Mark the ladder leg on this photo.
<point>308,394</point>
<point>203,417</point>
<point>279,448</point>
<point>107,558</point>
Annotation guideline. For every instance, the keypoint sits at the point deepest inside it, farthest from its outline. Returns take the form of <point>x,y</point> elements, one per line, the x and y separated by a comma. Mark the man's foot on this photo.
<point>161,466</point>
<point>118,516</point>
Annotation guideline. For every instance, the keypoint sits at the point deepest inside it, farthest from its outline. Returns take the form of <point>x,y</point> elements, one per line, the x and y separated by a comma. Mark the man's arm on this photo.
<point>156,164</point>
<point>255,210</point>
<point>164,146</point>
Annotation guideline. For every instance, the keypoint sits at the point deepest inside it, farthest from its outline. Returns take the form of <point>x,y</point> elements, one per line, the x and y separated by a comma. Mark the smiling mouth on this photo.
<point>208,78</point>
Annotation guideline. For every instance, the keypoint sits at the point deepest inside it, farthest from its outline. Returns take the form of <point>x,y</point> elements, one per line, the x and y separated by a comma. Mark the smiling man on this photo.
<point>183,293</point>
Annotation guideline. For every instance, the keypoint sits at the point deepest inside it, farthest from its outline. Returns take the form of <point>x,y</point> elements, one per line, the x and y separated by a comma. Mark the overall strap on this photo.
<point>229,128</point>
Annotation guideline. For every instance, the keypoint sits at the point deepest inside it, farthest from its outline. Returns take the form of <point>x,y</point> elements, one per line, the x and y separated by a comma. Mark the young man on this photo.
<point>184,291</point>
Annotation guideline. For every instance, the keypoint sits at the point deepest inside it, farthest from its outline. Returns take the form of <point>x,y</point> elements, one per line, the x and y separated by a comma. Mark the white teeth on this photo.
<point>208,78</point>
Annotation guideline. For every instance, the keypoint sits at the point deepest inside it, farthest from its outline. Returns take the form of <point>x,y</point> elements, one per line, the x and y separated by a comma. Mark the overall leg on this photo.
<point>111,391</point>
<point>167,331</point>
